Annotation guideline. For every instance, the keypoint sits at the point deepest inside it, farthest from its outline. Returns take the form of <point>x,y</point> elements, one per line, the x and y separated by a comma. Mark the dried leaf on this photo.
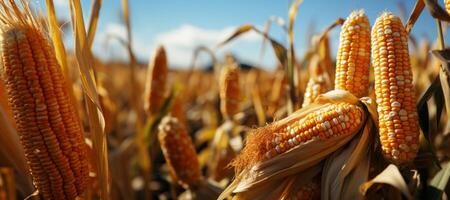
<point>440,180</point>
<point>390,176</point>
<point>280,50</point>
<point>348,168</point>
<point>444,74</point>
<point>436,10</point>
<point>87,75</point>
<point>418,8</point>
<point>93,21</point>
<point>280,22</point>
<point>422,107</point>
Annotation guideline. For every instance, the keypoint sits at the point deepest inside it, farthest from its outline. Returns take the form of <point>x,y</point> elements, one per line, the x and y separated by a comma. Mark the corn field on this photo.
<point>373,122</point>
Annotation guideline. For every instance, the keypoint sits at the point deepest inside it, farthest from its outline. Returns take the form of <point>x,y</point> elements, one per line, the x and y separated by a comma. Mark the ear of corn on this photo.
<point>336,119</point>
<point>155,87</point>
<point>332,120</point>
<point>229,91</point>
<point>315,87</point>
<point>394,89</point>
<point>179,152</point>
<point>353,57</point>
<point>447,5</point>
<point>45,117</point>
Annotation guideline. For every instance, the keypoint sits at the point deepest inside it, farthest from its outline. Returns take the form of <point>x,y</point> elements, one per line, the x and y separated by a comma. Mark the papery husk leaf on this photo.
<point>267,191</point>
<point>299,181</point>
<point>261,175</point>
<point>207,190</point>
<point>346,169</point>
<point>391,176</point>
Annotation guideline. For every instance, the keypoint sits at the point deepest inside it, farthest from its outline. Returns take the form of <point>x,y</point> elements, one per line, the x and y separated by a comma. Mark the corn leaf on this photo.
<point>93,21</point>
<point>444,57</point>
<point>280,50</point>
<point>390,176</point>
<point>436,10</point>
<point>280,22</point>
<point>418,8</point>
<point>55,34</point>
<point>96,120</point>
<point>439,182</point>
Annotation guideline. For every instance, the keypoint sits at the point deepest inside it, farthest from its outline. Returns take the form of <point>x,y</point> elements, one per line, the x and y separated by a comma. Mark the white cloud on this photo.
<point>181,42</point>
<point>61,2</point>
<point>107,43</point>
<point>116,30</point>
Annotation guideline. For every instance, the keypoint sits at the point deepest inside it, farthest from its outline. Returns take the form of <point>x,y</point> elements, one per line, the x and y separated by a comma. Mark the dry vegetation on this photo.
<point>372,123</point>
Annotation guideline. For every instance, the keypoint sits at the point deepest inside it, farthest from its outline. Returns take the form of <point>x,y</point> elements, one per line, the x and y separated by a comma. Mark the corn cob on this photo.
<point>179,152</point>
<point>447,5</point>
<point>229,91</point>
<point>330,121</point>
<point>353,57</point>
<point>45,117</point>
<point>394,90</point>
<point>315,87</point>
<point>156,81</point>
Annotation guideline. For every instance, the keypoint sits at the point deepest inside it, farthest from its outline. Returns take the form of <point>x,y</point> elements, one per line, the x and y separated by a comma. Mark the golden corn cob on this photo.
<point>179,152</point>
<point>353,57</point>
<point>229,91</point>
<point>394,90</point>
<point>46,120</point>
<point>330,121</point>
<point>315,87</point>
<point>447,5</point>
<point>155,87</point>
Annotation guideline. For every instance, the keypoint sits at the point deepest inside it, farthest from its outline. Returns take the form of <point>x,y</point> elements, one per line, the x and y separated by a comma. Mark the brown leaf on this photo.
<point>390,176</point>
<point>418,8</point>
<point>436,10</point>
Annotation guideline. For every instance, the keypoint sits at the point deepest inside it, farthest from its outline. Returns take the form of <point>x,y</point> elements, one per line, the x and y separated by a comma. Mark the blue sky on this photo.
<point>182,25</point>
